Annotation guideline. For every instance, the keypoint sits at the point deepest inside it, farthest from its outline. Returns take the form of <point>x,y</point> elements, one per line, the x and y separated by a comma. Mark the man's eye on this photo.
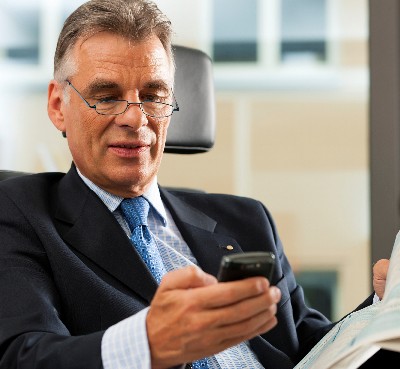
<point>106,99</point>
<point>148,98</point>
<point>154,98</point>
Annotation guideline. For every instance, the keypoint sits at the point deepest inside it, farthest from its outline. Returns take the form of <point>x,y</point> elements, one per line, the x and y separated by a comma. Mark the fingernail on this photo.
<point>275,293</point>
<point>262,285</point>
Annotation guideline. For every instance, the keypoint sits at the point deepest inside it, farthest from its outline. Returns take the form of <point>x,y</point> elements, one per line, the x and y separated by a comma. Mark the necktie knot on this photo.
<point>135,211</point>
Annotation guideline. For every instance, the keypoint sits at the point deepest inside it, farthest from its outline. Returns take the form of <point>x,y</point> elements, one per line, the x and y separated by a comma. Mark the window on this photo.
<point>19,20</point>
<point>235,31</point>
<point>253,30</point>
<point>303,31</point>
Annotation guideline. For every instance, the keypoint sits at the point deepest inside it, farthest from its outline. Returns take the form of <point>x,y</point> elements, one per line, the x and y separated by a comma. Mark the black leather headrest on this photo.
<point>192,128</point>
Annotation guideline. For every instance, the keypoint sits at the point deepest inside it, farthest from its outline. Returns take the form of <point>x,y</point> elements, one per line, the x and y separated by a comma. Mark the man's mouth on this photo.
<point>127,150</point>
<point>127,146</point>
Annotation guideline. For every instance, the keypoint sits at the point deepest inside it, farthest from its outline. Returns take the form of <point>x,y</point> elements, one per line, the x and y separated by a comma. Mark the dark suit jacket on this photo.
<point>68,271</point>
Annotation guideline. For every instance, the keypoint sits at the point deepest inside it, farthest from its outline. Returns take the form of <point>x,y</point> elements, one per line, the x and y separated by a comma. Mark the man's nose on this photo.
<point>133,117</point>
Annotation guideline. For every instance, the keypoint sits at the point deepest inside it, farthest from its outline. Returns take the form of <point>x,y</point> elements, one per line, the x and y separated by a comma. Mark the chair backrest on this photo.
<point>192,128</point>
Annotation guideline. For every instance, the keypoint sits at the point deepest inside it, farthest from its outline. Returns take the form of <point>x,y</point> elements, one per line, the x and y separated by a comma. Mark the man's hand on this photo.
<point>193,316</point>
<point>380,270</point>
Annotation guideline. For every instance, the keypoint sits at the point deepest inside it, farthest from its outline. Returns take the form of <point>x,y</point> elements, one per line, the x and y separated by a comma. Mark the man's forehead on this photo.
<point>108,42</point>
<point>106,50</point>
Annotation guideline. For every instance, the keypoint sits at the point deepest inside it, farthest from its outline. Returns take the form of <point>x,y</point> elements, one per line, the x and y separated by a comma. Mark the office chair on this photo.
<point>192,128</point>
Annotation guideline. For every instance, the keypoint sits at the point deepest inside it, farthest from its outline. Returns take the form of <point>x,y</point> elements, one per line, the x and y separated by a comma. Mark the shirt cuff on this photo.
<point>125,344</point>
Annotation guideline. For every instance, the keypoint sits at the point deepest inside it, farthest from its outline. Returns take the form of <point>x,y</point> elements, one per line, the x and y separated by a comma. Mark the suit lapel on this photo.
<point>88,226</point>
<point>91,229</point>
<point>200,233</point>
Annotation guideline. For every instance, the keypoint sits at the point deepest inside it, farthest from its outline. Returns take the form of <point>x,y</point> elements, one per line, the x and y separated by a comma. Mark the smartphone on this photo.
<point>245,265</point>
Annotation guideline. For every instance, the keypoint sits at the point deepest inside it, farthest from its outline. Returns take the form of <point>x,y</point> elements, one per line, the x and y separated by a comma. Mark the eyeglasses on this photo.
<point>150,108</point>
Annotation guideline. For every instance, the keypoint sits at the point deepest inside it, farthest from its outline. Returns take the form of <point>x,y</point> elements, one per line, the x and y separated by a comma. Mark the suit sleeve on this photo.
<point>32,332</point>
<point>305,323</point>
<point>310,324</point>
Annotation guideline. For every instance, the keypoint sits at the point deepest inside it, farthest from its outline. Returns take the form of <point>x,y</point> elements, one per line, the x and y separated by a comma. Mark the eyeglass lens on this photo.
<point>114,107</point>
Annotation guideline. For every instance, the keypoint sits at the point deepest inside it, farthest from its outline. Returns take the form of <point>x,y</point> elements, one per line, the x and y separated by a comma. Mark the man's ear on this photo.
<point>54,102</point>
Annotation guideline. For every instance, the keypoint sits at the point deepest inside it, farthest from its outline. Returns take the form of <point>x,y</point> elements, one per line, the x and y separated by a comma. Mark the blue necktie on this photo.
<point>135,211</point>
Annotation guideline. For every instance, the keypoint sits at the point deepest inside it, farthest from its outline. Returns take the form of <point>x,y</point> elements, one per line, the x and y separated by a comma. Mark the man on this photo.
<point>75,291</point>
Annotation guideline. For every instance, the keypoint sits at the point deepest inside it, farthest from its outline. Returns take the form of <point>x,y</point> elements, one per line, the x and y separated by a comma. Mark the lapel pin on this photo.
<point>229,247</point>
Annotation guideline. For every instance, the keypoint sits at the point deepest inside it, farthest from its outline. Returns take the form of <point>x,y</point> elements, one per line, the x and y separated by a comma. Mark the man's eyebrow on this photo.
<point>158,85</point>
<point>100,85</point>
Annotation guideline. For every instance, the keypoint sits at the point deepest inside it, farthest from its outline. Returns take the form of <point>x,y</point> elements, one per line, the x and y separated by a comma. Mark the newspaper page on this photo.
<point>361,334</point>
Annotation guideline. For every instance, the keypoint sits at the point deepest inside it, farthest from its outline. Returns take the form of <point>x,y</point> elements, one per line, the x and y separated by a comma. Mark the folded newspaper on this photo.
<point>358,336</point>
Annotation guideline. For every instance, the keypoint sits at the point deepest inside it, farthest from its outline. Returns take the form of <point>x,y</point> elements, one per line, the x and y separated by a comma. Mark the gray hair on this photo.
<point>133,19</point>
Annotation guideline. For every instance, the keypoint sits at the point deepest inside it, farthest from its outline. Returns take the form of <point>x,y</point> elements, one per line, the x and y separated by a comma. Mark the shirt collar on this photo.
<point>152,195</point>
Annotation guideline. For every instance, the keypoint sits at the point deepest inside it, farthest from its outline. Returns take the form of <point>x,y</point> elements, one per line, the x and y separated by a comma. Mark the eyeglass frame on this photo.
<point>128,103</point>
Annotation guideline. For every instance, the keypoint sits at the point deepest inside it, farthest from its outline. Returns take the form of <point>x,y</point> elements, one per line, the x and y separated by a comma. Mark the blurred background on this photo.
<point>292,102</point>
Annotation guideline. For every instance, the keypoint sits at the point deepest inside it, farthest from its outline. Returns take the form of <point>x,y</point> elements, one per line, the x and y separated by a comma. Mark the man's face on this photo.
<point>121,153</point>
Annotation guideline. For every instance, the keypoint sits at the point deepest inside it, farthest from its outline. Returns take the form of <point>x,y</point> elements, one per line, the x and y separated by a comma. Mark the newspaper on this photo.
<point>358,336</point>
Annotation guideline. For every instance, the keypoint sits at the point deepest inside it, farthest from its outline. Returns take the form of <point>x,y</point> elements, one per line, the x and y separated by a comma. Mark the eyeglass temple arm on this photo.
<point>176,108</point>
<point>85,101</point>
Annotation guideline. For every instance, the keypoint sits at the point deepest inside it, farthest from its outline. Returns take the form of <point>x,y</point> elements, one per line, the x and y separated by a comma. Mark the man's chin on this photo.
<point>127,183</point>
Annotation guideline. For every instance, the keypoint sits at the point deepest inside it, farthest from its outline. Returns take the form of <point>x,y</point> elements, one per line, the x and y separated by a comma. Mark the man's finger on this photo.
<point>185,278</point>
<point>227,293</point>
<point>380,269</point>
